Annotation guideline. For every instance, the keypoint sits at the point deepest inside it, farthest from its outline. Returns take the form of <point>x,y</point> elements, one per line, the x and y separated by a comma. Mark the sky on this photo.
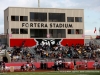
<point>91,10</point>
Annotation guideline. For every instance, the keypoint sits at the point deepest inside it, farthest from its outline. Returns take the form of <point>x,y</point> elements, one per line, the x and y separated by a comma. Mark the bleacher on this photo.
<point>24,54</point>
<point>74,53</point>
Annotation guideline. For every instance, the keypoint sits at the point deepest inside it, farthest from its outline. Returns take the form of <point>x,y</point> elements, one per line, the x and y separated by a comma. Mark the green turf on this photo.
<point>55,73</point>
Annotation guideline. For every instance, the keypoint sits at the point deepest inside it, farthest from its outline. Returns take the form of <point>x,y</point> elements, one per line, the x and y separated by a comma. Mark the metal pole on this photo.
<point>38,3</point>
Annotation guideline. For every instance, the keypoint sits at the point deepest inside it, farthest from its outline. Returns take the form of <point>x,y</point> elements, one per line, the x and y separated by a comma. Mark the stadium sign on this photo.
<point>45,25</point>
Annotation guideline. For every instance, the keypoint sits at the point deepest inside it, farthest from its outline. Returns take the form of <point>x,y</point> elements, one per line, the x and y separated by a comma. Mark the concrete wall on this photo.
<point>23,11</point>
<point>6,24</point>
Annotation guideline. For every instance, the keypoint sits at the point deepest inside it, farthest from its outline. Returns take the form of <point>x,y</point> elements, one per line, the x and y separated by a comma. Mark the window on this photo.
<point>78,19</point>
<point>23,31</point>
<point>34,16</point>
<point>7,18</point>
<point>57,33</point>
<point>79,31</point>
<point>8,31</point>
<point>15,31</point>
<point>71,31</point>
<point>38,33</point>
<point>70,19</point>
<point>56,17</point>
<point>23,18</point>
<point>14,18</point>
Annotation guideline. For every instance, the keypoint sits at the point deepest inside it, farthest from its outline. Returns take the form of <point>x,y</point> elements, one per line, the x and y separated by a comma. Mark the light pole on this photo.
<point>38,3</point>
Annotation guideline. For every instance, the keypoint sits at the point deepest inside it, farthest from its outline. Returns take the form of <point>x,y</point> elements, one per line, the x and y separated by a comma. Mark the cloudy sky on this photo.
<point>91,10</point>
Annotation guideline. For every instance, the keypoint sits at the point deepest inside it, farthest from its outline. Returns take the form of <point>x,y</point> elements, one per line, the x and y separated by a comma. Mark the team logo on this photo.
<point>49,42</point>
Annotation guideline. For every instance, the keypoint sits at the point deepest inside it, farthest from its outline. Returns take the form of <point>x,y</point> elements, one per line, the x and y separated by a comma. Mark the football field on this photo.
<point>93,72</point>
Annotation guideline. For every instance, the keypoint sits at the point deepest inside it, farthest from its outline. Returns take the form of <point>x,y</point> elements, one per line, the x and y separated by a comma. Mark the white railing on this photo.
<point>8,56</point>
<point>2,52</point>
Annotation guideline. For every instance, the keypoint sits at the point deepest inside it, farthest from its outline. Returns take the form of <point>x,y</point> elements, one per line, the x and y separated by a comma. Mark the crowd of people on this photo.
<point>2,66</point>
<point>28,66</point>
<point>20,54</point>
<point>87,51</point>
<point>45,51</point>
<point>25,67</point>
<point>74,51</point>
<point>78,51</point>
<point>58,65</point>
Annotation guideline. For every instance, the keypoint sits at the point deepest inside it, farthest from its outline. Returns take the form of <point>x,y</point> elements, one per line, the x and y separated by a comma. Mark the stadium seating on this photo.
<point>36,54</point>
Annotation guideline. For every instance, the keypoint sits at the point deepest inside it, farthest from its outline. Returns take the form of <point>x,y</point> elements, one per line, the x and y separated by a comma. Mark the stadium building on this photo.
<point>32,26</point>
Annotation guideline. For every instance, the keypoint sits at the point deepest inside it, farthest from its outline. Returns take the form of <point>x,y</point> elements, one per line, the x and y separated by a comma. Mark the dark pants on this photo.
<point>60,66</point>
<point>56,67</point>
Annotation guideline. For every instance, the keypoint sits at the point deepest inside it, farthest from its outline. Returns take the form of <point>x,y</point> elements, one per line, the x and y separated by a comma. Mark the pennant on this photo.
<point>48,35</point>
<point>10,35</point>
<point>83,35</point>
<point>95,30</point>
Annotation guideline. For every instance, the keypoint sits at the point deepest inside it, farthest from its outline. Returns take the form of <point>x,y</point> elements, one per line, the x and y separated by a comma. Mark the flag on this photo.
<point>95,30</point>
<point>83,35</point>
<point>10,35</point>
<point>48,35</point>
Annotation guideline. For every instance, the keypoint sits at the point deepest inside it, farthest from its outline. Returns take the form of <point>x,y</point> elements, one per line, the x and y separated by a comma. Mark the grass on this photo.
<point>93,72</point>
